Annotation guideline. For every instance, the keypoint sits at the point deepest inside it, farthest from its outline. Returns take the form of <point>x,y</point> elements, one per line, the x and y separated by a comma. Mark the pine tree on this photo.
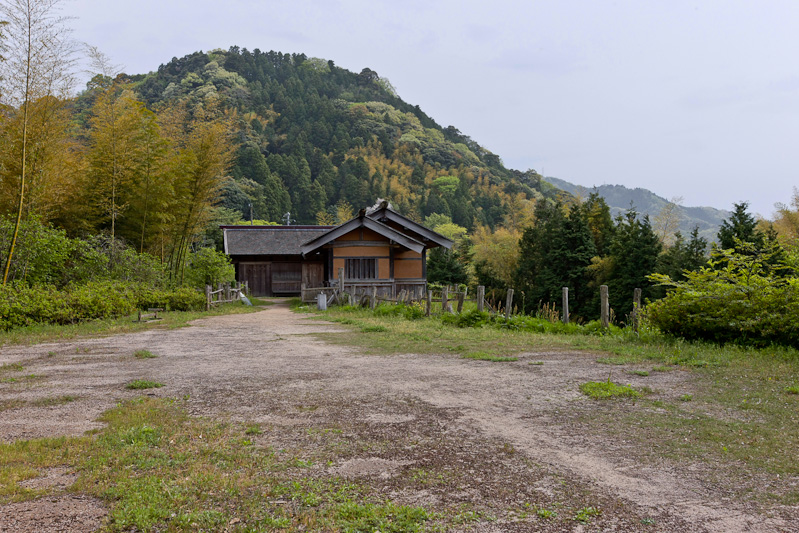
<point>634,250</point>
<point>554,253</point>
<point>742,226</point>
<point>443,267</point>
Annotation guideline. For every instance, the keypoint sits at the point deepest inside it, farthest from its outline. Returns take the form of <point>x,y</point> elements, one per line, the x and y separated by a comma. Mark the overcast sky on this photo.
<point>695,99</point>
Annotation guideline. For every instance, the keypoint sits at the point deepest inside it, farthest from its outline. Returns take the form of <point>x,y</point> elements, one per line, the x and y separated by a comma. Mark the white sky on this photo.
<point>695,99</point>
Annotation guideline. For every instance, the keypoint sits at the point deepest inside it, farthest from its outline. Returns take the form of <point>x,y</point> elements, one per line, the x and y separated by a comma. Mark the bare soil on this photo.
<point>490,437</point>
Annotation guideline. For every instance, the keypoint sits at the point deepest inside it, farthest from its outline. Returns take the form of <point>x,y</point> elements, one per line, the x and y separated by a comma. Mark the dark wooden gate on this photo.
<point>313,274</point>
<point>258,276</point>
<point>286,278</point>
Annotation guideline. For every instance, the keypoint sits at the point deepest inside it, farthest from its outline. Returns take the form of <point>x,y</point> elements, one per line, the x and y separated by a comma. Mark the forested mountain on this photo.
<point>619,198</point>
<point>312,135</point>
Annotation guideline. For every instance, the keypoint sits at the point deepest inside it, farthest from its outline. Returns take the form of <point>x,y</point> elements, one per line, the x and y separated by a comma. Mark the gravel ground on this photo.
<point>502,433</point>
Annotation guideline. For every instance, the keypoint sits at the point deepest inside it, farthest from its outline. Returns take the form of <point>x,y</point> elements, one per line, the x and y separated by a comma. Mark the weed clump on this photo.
<point>603,390</point>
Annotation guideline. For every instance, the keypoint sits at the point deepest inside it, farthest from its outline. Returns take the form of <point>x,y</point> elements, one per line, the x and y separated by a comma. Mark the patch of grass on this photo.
<point>53,400</point>
<point>5,405</point>
<point>686,397</point>
<point>11,367</point>
<point>144,354</point>
<point>793,389</point>
<point>537,363</point>
<point>26,459</point>
<point>141,384</point>
<point>542,512</point>
<point>483,356</point>
<point>160,470</point>
<point>253,429</point>
<point>642,373</point>
<point>585,514</point>
<point>374,329</point>
<point>603,390</point>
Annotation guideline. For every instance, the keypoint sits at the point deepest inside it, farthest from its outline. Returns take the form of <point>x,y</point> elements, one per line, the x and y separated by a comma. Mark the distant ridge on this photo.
<point>619,198</point>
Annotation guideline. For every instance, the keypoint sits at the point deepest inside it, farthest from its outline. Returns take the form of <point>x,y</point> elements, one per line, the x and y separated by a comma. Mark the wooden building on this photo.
<point>379,248</point>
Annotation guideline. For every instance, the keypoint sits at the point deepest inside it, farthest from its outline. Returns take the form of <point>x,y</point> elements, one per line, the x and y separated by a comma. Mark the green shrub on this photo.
<point>468,319</point>
<point>739,298</point>
<point>389,310</point>
<point>102,299</point>
<point>413,311</point>
<point>21,305</point>
<point>185,299</point>
<point>206,266</point>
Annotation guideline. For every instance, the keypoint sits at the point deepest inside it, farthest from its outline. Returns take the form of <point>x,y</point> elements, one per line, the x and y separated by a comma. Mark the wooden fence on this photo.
<point>452,300</point>
<point>224,294</point>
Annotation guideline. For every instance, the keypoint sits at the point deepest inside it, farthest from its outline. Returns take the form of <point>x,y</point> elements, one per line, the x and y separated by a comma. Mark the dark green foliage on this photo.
<point>683,256</point>
<point>208,267</point>
<point>555,253</point>
<point>741,226</point>
<point>265,191</point>
<point>738,298</point>
<point>46,255</point>
<point>22,305</point>
<point>320,127</point>
<point>443,267</point>
<point>468,319</point>
<point>597,215</point>
<point>634,250</point>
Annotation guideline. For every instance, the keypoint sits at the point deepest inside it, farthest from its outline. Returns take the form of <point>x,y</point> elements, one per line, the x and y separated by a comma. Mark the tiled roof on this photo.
<point>266,240</point>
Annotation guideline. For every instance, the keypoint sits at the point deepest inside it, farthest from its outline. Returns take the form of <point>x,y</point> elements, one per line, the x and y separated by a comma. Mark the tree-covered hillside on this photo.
<point>313,135</point>
<point>619,198</point>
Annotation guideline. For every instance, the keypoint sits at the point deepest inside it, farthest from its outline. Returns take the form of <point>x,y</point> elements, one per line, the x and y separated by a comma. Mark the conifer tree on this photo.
<point>634,250</point>
<point>742,226</point>
<point>554,253</point>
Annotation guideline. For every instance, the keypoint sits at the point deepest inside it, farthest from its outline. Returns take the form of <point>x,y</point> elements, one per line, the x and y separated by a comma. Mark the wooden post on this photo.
<point>509,304</point>
<point>226,288</point>
<point>565,305</point>
<point>321,302</point>
<point>401,297</point>
<point>341,279</point>
<point>604,305</point>
<point>461,296</point>
<point>481,296</point>
<point>429,307</point>
<point>444,299</point>
<point>207,297</point>
<point>373,301</point>
<point>636,309</point>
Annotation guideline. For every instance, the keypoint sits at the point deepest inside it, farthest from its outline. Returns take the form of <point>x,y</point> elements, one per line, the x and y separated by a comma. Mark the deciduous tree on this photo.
<point>38,55</point>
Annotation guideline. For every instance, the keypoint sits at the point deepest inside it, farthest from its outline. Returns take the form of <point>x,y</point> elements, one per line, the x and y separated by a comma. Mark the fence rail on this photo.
<point>452,301</point>
<point>224,294</point>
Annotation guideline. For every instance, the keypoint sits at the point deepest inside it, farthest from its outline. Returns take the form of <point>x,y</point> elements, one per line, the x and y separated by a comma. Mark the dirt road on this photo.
<point>499,429</point>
